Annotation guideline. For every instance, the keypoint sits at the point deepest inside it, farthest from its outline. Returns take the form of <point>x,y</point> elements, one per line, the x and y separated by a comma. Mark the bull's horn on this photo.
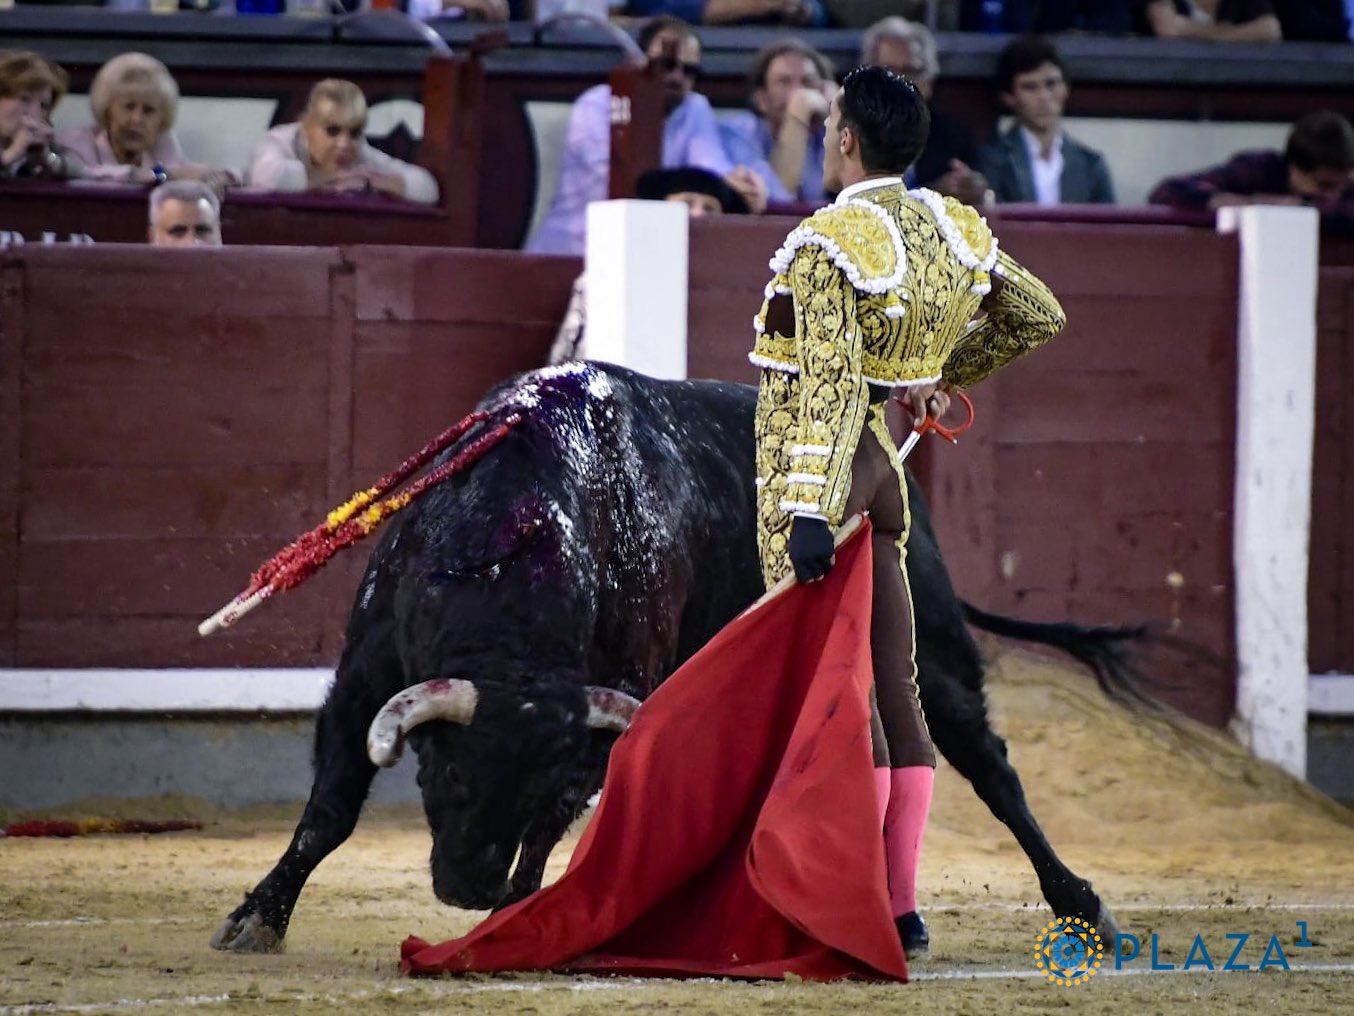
<point>443,698</point>
<point>609,709</point>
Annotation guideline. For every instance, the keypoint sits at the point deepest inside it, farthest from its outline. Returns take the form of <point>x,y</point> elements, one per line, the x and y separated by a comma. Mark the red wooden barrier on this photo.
<point>182,414</point>
<point>167,418</point>
<point>1330,600</point>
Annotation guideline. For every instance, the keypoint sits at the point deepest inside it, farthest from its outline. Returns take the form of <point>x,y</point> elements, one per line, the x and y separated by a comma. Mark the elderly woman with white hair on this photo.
<point>327,150</point>
<point>135,100</point>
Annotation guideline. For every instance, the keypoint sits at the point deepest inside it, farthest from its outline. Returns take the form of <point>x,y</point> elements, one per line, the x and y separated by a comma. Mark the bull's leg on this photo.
<point>957,716</point>
<point>343,776</point>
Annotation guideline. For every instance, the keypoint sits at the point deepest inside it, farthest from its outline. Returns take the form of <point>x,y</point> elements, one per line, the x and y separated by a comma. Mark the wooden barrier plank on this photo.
<point>276,641</point>
<point>1148,261</point>
<point>1145,553</point>
<point>275,281</point>
<point>1330,594</point>
<point>421,284</point>
<point>1091,407</point>
<point>1117,332</point>
<point>216,501</point>
<point>1345,660</point>
<point>1134,477</point>
<point>339,481</point>
<point>1331,579</point>
<point>150,424</point>
<point>11,439</point>
<point>187,578</point>
<point>414,379</point>
<point>97,344</point>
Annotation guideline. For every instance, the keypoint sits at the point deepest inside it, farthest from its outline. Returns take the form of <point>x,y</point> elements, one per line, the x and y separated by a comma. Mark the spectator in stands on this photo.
<point>1021,17</point>
<point>1315,168</point>
<point>948,162</point>
<point>135,100</point>
<point>781,137</point>
<point>795,13</point>
<point>690,138</point>
<point>1316,20</point>
<point>30,88</point>
<point>327,150</point>
<point>864,13</point>
<point>1036,160</point>
<point>704,193</point>
<point>473,10</point>
<point>184,213</point>
<point>1217,20</point>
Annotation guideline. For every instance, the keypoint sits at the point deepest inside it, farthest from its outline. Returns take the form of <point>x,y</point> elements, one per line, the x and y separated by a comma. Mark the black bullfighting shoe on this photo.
<point>912,930</point>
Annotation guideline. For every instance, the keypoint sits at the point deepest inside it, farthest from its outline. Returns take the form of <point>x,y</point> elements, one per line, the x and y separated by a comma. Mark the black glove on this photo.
<point>811,549</point>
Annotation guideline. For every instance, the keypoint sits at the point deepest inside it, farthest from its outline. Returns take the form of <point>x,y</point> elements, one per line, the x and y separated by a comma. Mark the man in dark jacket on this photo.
<point>1036,160</point>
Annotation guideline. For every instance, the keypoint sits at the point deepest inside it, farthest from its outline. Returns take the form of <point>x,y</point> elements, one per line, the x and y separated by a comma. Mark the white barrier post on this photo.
<point>636,265</point>
<point>1276,407</point>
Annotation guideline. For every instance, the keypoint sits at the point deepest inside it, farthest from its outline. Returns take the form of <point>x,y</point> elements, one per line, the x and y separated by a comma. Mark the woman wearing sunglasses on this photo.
<point>327,150</point>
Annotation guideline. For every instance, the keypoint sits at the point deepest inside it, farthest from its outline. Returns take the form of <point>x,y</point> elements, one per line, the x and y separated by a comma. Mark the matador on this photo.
<point>887,289</point>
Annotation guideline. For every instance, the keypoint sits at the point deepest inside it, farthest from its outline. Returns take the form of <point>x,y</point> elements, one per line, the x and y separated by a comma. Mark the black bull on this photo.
<point>602,543</point>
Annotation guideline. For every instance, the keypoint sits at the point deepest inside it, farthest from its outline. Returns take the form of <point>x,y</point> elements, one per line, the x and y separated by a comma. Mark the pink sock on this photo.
<point>881,791</point>
<point>904,822</point>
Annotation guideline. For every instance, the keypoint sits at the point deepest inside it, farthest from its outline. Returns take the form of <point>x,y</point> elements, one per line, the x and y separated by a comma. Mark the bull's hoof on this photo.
<point>247,934</point>
<point>1106,926</point>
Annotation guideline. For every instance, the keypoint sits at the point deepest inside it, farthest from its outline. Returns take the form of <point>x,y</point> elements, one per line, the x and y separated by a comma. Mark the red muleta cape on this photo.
<point>737,833</point>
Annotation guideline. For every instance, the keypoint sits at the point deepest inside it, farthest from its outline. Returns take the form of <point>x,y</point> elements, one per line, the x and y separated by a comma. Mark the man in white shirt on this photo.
<point>1035,160</point>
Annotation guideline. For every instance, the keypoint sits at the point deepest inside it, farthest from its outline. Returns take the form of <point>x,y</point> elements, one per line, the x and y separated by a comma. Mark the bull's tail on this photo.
<point>1106,651</point>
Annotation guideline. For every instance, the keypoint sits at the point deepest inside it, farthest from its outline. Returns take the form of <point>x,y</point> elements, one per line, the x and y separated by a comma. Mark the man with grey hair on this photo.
<point>184,213</point>
<point>946,164</point>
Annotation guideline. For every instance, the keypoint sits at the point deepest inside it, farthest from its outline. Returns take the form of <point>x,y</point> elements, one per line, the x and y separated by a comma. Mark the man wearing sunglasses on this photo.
<point>690,138</point>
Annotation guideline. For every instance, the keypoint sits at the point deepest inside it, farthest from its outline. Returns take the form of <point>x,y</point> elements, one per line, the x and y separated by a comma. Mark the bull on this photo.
<point>507,624</point>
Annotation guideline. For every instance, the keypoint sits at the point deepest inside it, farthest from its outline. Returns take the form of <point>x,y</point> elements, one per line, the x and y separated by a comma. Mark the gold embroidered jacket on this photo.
<point>880,288</point>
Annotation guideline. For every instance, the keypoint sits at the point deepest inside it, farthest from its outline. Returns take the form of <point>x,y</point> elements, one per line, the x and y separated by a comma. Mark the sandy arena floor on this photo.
<point>1179,830</point>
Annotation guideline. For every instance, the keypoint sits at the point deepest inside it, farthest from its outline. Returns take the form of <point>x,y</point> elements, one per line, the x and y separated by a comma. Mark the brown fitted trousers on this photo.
<point>879,487</point>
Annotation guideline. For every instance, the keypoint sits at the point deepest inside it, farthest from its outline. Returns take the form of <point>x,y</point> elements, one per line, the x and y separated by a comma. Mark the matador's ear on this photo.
<point>848,141</point>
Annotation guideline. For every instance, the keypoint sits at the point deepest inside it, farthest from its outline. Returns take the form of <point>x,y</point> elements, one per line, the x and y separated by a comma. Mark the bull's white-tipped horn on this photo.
<point>609,709</point>
<point>443,698</point>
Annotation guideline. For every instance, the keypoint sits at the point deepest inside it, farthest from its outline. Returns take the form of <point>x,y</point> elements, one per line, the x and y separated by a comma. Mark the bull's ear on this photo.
<point>609,709</point>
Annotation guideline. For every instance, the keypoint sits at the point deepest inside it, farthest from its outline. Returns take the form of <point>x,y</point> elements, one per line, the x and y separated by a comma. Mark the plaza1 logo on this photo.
<point>1069,951</point>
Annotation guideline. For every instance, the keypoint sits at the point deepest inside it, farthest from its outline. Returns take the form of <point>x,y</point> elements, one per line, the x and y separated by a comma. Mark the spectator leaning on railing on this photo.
<point>30,88</point>
<point>327,150</point>
<point>780,138</point>
<point>135,100</point>
<point>1315,168</point>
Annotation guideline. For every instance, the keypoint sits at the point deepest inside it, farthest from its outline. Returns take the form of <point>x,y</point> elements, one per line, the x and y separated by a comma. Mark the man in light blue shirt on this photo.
<point>690,138</point>
<point>780,138</point>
